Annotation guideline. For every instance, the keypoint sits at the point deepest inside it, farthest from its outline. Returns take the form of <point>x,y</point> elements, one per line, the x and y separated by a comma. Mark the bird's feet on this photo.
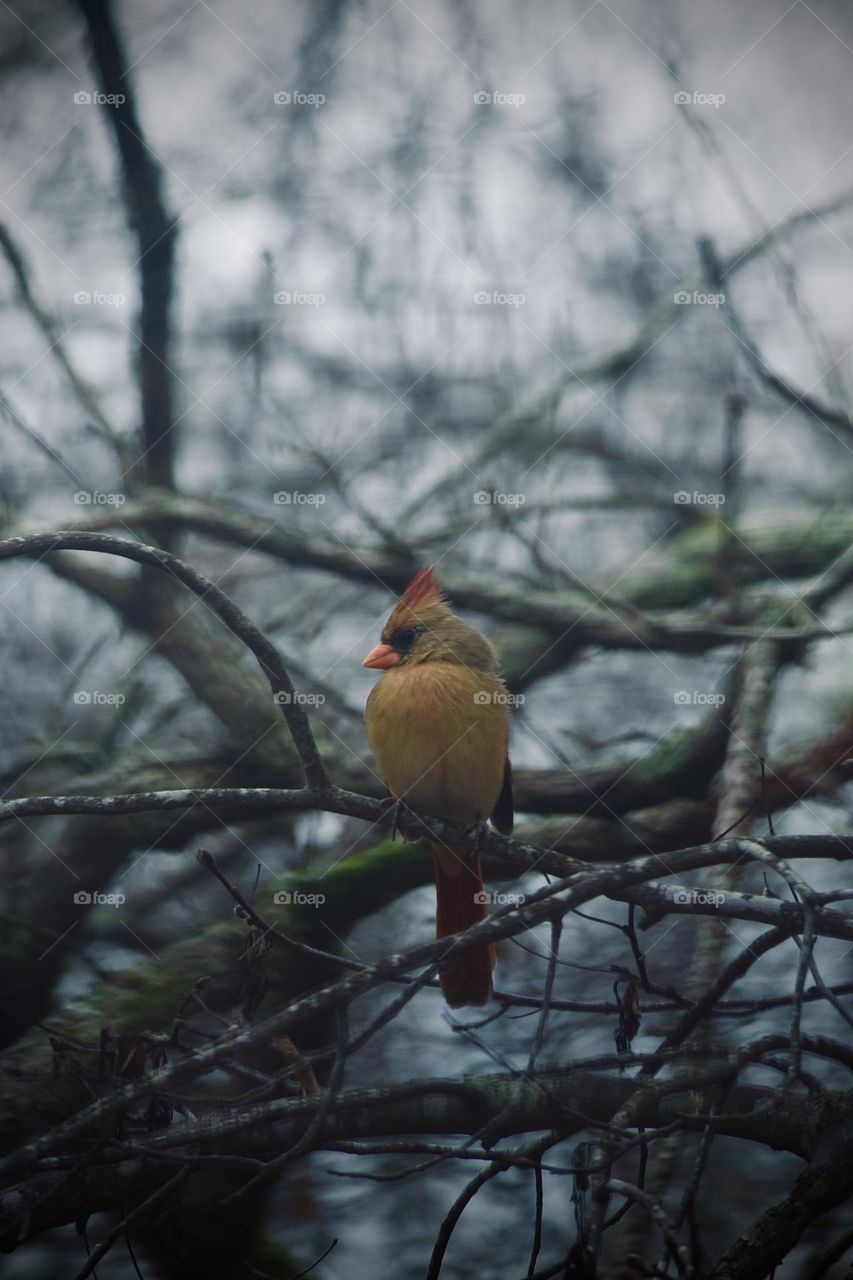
<point>395,807</point>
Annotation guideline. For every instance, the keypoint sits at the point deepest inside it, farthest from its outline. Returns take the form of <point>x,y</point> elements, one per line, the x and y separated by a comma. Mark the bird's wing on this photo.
<point>502,814</point>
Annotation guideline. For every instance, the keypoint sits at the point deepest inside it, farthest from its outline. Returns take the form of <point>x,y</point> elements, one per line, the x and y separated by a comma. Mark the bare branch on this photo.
<point>218,602</point>
<point>155,230</point>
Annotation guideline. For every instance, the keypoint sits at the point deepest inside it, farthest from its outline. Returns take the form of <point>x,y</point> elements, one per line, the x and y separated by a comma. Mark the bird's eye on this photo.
<point>404,640</point>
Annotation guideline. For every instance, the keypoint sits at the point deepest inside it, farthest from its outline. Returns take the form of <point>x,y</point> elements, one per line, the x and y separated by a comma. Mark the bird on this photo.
<point>438,726</point>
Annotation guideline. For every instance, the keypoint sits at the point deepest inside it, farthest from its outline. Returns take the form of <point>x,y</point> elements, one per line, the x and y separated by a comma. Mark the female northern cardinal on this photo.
<point>437,724</point>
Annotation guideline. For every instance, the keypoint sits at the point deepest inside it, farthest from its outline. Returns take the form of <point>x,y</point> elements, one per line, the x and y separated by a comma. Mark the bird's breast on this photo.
<point>439,734</point>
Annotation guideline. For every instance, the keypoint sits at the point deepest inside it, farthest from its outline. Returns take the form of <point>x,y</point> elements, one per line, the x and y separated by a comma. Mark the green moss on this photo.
<point>690,570</point>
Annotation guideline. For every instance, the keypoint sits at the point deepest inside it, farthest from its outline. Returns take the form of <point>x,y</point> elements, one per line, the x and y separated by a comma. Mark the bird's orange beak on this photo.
<point>382,657</point>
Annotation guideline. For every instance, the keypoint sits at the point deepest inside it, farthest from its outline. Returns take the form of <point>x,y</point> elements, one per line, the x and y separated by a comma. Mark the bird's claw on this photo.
<point>395,807</point>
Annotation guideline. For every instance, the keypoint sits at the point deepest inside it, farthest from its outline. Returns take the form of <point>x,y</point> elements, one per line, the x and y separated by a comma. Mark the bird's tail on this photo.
<point>461,902</point>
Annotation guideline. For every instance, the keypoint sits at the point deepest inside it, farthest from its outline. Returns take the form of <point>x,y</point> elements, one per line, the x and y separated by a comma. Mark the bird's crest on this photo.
<point>421,604</point>
<point>423,589</point>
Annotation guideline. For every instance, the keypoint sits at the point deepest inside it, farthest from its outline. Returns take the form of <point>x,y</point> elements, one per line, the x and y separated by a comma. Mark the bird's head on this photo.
<point>423,628</point>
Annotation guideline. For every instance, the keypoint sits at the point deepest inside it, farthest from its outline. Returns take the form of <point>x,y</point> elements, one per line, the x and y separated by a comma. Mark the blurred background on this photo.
<point>558,298</point>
